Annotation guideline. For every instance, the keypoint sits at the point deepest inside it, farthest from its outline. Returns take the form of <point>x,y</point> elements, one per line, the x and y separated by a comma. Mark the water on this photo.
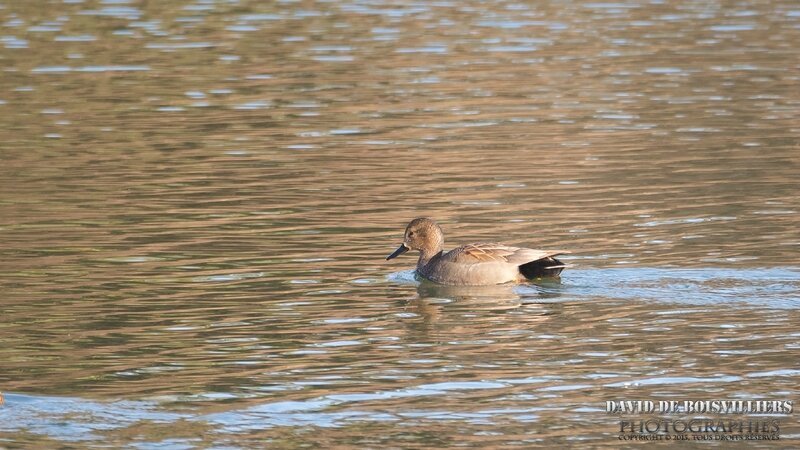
<point>197,199</point>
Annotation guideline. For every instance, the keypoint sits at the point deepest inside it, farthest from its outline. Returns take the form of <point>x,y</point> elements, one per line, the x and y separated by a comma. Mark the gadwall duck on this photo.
<point>474,264</point>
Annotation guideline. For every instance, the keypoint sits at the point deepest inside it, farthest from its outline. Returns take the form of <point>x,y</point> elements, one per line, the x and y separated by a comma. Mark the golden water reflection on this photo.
<point>197,199</point>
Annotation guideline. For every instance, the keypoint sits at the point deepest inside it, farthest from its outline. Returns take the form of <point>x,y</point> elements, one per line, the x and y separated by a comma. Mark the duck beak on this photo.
<point>400,250</point>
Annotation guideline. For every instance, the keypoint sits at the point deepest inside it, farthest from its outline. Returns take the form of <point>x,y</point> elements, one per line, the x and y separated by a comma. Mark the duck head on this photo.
<point>421,234</point>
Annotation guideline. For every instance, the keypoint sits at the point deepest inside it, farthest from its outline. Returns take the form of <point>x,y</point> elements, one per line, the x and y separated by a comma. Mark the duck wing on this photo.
<point>490,263</point>
<point>497,253</point>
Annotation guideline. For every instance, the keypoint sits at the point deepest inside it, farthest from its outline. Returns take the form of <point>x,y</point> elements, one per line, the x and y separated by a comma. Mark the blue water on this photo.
<point>669,290</point>
<point>770,287</point>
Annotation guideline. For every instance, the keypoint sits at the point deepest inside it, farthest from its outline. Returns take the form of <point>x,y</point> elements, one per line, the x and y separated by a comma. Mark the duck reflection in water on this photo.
<point>435,300</point>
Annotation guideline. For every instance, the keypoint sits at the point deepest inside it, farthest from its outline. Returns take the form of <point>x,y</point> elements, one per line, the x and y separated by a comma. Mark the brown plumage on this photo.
<point>474,264</point>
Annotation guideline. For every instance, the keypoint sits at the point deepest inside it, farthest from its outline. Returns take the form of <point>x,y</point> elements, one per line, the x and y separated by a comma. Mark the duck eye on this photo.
<point>410,233</point>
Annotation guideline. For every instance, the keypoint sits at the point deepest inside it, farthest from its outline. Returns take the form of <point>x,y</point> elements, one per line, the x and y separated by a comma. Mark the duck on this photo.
<point>479,264</point>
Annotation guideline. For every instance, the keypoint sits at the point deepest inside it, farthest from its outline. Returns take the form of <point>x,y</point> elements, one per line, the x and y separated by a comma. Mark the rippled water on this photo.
<point>197,199</point>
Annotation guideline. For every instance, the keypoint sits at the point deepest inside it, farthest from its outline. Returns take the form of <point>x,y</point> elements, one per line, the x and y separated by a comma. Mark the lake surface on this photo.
<point>197,199</point>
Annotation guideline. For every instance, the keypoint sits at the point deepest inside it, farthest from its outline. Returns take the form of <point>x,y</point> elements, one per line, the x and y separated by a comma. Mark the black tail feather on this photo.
<point>542,268</point>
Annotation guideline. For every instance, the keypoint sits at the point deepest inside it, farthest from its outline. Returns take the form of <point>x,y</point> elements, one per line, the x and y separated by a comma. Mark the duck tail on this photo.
<point>542,268</point>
